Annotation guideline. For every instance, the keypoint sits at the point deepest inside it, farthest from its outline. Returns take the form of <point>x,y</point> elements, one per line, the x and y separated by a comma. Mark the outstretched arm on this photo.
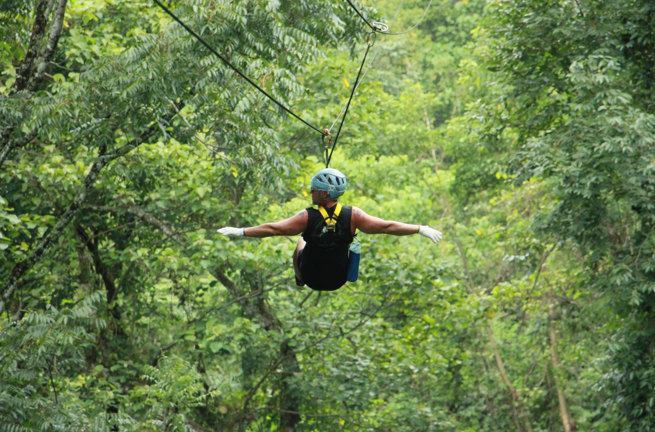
<point>290,226</point>
<point>374,225</point>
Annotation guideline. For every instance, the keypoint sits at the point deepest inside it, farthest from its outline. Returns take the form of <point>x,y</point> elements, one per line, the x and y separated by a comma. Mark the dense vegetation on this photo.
<point>524,130</point>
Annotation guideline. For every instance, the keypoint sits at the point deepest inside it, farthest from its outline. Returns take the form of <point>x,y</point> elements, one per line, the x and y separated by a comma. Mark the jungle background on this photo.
<point>522,129</point>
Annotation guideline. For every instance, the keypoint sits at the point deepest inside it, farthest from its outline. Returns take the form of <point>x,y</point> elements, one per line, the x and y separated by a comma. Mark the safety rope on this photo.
<point>224,60</point>
<point>414,26</point>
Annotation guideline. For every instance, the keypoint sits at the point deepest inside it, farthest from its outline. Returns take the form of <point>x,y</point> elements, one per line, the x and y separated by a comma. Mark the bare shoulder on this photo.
<point>359,217</point>
<point>359,213</point>
<point>301,215</point>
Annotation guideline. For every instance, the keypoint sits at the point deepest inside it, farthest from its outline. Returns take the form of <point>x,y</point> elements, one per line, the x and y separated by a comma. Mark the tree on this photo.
<point>572,91</point>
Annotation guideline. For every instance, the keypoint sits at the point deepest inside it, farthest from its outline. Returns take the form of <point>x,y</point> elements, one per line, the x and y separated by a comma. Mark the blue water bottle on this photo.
<point>355,251</point>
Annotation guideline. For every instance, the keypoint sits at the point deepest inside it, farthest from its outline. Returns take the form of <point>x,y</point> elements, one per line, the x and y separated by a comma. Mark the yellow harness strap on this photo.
<point>330,221</point>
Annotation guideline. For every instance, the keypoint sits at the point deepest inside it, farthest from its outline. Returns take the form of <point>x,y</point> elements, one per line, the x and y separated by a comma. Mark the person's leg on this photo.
<point>296,265</point>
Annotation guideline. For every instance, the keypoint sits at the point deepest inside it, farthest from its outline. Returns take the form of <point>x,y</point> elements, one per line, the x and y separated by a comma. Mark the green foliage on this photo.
<point>571,79</point>
<point>522,131</point>
<point>43,356</point>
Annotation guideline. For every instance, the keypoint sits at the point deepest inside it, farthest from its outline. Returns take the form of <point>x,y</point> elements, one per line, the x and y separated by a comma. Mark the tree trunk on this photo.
<point>33,67</point>
<point>519,415</point>
<point>53,40</point>
<point>518,410</point>
<point>255,308</point>
<point>38,56</point>
<point>289,399</point>
<point>567,421</point>
<point>39,28</point>
<point>25,75</point>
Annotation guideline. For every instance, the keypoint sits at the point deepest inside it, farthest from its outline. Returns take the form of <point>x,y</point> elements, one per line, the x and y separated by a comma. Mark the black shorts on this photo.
<point>320,273</point>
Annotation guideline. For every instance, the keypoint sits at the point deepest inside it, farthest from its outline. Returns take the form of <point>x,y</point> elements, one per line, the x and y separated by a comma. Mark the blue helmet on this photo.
<point>332,181</point>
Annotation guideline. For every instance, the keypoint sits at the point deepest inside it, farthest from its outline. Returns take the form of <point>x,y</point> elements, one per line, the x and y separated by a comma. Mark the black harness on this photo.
<point>324,261</point>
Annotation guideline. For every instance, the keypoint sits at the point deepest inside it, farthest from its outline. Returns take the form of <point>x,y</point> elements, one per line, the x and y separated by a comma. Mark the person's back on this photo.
<point>323,262</point>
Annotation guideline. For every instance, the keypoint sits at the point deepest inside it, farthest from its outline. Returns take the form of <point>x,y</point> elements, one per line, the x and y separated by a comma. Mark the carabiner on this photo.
<point>326,133</point>
<point>370,41</point>
<point>380,27</point>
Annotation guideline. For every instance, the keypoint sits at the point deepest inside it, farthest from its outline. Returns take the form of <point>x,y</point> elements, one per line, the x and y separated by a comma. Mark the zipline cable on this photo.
<point>213,51</point>
<point>370,41</point>
<point>379,27</point>
<point>400,5</point>
<point>374,28</point>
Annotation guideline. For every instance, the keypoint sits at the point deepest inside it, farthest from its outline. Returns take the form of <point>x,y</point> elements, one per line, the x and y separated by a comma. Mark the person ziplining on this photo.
<point>321,257</point>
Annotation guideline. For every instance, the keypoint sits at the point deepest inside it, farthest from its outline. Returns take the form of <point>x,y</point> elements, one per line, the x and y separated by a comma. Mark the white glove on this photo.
<point>430,233</point>
<point>231,231</point>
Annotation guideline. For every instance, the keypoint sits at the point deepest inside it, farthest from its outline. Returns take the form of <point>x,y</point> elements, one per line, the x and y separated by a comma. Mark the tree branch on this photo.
<point>52,380</point>
<point>53,234</point>
<point>9,144</point>
<point>101,268</point>
<point>577,2</point>
<point>568,422</point>
<point>146,217</point>
<point>516,399</point>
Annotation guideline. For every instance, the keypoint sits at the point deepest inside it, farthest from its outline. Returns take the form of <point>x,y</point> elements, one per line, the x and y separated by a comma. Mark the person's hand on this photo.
<point>231,231</point>
<point>430,233</point>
